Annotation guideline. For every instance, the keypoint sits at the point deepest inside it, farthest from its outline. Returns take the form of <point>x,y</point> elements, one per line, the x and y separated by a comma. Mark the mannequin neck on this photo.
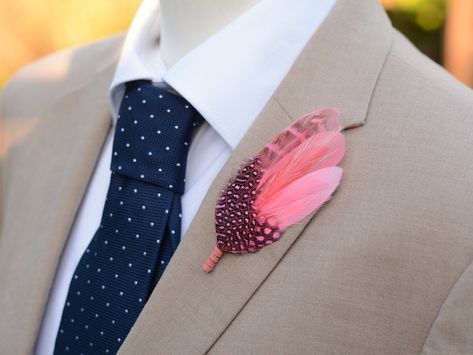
<point>187,23</point>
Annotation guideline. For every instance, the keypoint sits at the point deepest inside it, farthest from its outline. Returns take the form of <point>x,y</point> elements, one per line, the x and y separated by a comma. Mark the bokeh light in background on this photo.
<point>30,29</point>
<point>442,29</point>
<point>427,14</point>
<point>422,21</point>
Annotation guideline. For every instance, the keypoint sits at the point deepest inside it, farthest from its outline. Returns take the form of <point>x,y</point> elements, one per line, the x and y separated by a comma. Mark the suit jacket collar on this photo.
<point>339,67</point>
<point>261,59</point>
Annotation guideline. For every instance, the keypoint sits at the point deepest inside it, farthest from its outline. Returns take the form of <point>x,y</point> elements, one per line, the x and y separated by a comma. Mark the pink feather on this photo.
<point>292,177</point>
<point>303,128</point>
<point>302,197</point>
<point>321,150</point>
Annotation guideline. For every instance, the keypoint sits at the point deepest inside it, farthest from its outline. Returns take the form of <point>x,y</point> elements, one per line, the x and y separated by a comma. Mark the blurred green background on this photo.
<point>30,29</point>
<point>422,21</point>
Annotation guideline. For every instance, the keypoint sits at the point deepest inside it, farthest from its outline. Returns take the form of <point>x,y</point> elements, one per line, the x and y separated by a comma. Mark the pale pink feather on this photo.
<point>321,150</point>
<point>302,197</point>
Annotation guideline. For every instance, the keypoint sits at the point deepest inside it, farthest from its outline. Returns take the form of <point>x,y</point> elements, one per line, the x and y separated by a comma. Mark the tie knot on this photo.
<point>153,135</point>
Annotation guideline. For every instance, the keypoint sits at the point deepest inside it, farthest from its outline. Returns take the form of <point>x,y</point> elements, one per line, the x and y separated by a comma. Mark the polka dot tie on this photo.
<point>141,222</point>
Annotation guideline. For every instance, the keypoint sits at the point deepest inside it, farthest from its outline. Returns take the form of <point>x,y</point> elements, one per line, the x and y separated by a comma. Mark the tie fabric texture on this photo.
<point>141,223</point>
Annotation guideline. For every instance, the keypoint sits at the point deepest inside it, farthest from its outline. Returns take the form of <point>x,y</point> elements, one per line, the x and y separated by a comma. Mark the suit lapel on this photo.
<point>339,67</point>
<point>49,174</point>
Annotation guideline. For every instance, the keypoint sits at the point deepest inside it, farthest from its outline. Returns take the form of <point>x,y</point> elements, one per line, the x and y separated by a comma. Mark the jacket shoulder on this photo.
<point>418,96</point>
<point>38,83</point>
<point>422,119</point>
<point>32,92</point>
<point>438,82</point>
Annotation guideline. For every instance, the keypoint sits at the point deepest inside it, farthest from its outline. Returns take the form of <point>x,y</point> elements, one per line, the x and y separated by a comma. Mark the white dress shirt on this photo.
<point>228,79</point>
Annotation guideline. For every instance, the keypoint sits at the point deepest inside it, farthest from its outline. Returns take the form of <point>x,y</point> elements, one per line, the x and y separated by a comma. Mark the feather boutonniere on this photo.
<point>293,176</point>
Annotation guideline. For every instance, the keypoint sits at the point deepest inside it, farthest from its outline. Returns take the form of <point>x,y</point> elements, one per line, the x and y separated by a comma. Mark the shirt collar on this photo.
<point>229,77</point>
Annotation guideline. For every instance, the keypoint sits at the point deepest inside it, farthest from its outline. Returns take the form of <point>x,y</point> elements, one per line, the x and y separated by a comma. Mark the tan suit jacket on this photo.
<point>384,268</point>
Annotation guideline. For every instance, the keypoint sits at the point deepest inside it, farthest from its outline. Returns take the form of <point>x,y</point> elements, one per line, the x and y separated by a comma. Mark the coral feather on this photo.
<point>292,177</point>
<point>303,128</point>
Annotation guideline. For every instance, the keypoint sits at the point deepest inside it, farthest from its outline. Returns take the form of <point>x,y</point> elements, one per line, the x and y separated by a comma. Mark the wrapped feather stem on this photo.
<point>213,259</point>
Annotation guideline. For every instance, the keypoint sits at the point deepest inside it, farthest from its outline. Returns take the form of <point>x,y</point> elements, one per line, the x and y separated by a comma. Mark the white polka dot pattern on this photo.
<point>141,222</point>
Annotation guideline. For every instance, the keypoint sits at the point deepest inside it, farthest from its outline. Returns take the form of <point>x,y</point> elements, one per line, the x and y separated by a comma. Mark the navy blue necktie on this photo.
<point>141,222</point>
